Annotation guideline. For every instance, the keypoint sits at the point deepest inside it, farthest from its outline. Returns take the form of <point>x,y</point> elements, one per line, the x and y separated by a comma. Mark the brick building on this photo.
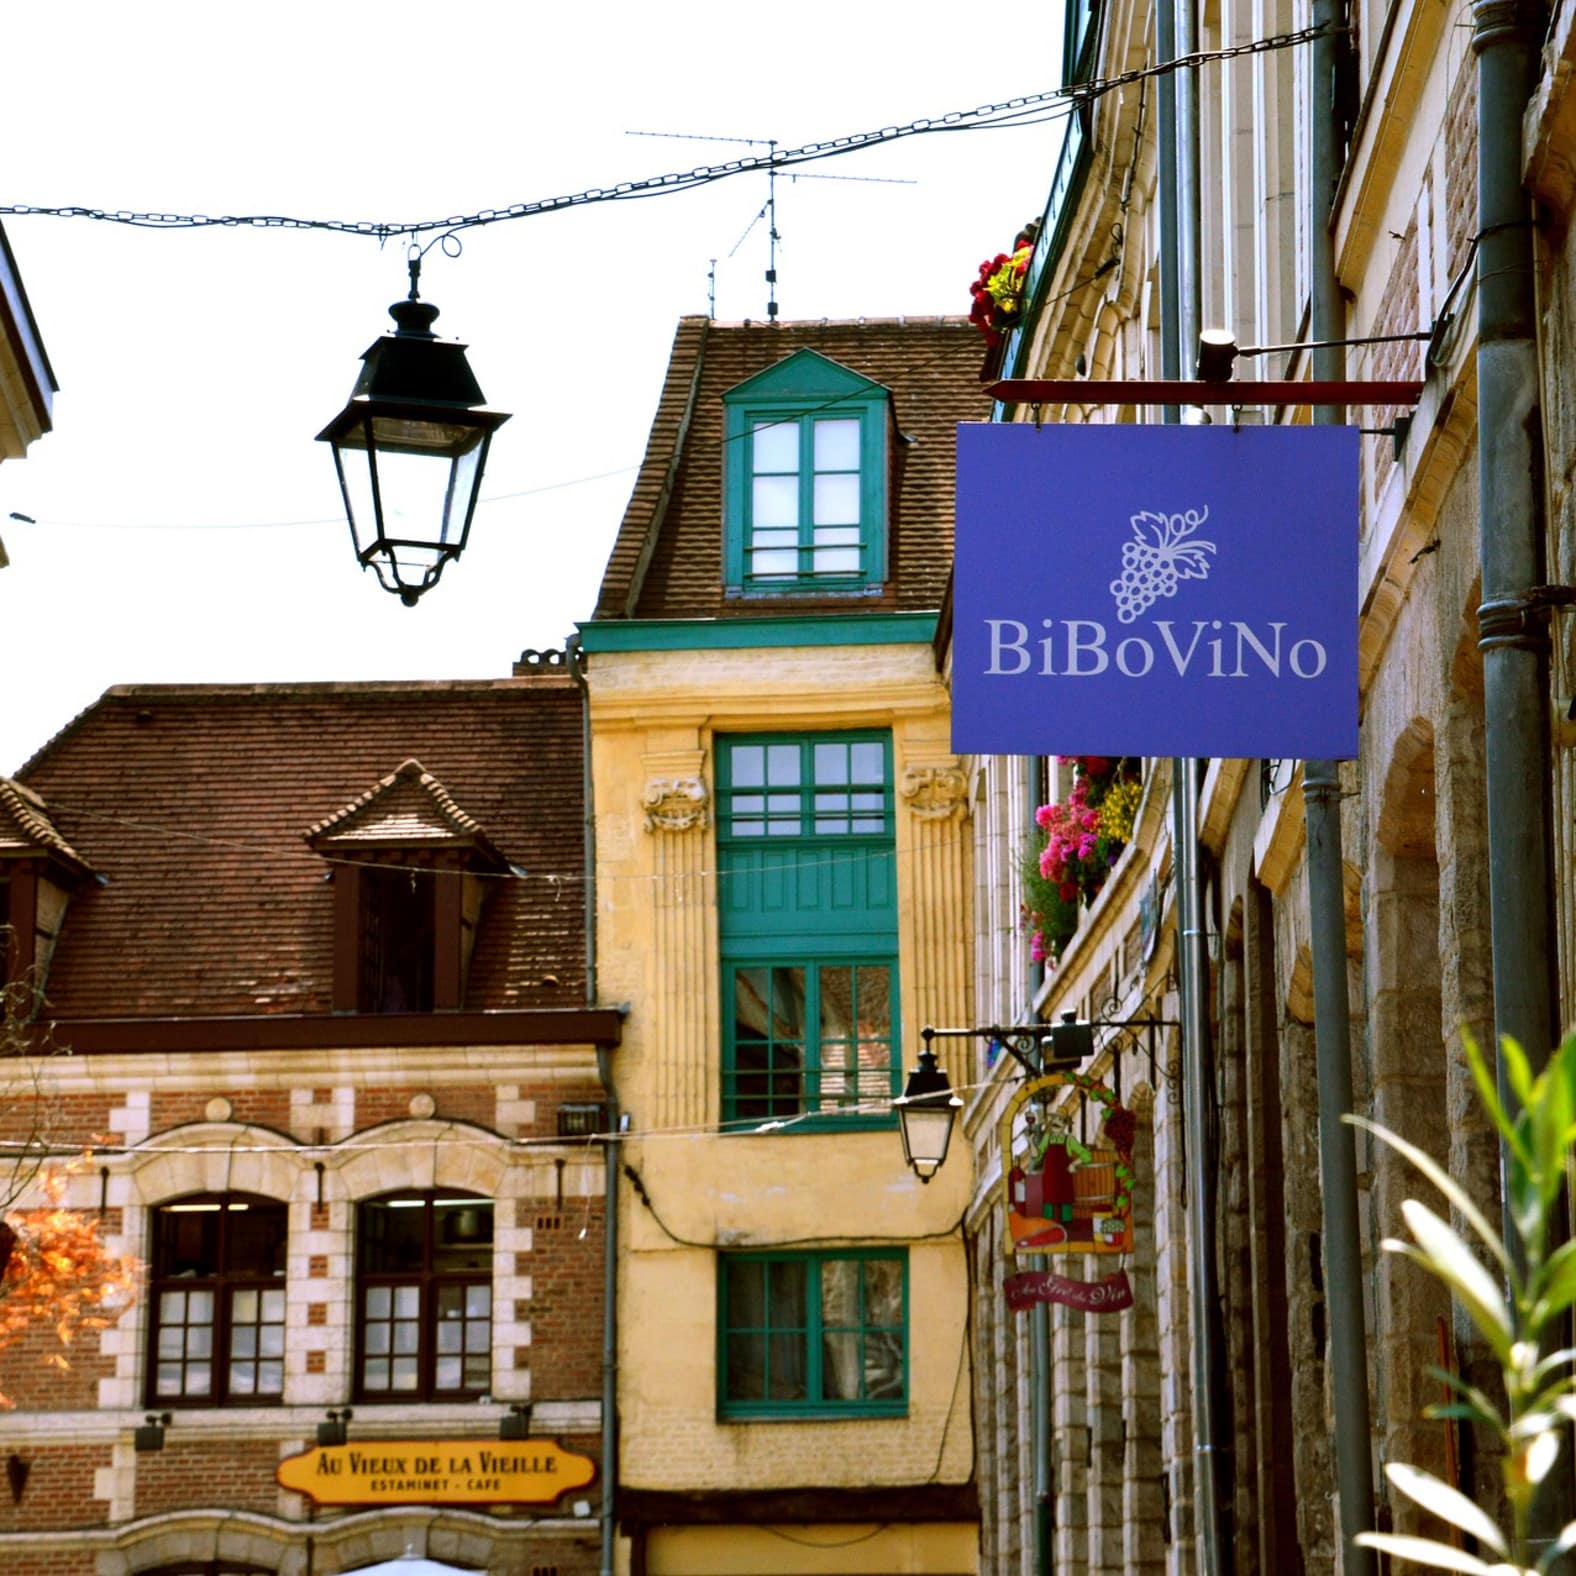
<point>310,964</point>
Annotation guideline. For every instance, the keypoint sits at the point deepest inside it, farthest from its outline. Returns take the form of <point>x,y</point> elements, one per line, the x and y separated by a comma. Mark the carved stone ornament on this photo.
<point>935,793</point>
<point>676,804</point>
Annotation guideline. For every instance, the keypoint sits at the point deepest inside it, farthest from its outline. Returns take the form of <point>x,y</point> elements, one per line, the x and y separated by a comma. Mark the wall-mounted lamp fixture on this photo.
<point>926,1111</point>
<point>334,1431</point>
<point>151,1435</point>
<point>1217,355</point>
<point>517,1425</point>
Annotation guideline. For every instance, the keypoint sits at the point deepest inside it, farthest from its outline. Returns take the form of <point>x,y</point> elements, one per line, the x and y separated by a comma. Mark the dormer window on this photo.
<point>39,871</point>
<point>411,874</point>
<point>807,474</point>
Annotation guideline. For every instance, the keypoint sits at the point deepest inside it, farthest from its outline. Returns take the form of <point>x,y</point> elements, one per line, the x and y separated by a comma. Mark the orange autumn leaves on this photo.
<point>57,1273</point>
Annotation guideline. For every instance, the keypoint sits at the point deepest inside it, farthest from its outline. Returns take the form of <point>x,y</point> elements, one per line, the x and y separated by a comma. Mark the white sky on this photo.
<point>196,367</point>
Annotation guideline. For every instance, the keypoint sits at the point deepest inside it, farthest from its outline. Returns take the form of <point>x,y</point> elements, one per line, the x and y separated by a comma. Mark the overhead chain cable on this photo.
<point>1024,110</point>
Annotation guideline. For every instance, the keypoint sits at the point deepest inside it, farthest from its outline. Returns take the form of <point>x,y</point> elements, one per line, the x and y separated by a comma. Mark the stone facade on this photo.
<point>1414,829</point>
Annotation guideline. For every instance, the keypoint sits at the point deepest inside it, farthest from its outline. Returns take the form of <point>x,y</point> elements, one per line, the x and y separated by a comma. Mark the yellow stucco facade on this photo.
<point>656,717</point>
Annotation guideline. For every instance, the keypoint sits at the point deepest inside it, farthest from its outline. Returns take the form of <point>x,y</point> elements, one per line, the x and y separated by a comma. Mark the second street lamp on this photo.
<point>926,1111</point>
<point>410,448</point>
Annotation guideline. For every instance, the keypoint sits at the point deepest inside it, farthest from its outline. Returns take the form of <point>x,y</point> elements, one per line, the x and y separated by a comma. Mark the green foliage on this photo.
<point>1518,1310</point>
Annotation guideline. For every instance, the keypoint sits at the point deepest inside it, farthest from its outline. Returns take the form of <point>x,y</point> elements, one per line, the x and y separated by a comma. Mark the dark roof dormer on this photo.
<point>412,872</point>
<point>39,870</point>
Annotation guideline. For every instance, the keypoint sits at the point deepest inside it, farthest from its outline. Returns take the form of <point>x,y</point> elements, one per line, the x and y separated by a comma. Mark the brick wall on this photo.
<point>259,1107</point>
<point>235,1473</point>
<point>1461,215</point>
<point>32,1379</point>
<point>565,1307</point>
<point>475,1103</point>
<point>58,1493</point>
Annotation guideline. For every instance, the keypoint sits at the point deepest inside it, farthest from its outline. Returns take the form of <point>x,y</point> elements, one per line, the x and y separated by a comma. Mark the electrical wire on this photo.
<point>1026,109</point>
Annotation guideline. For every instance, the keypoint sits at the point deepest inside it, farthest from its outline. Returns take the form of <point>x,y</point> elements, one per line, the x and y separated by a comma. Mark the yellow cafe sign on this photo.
<point>436,1472</point>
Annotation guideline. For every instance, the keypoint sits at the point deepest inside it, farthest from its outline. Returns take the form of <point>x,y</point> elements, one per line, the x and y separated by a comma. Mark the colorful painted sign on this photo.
<point>436,1472</point>
<point>1127,590</point>
<point>1067,1191</point>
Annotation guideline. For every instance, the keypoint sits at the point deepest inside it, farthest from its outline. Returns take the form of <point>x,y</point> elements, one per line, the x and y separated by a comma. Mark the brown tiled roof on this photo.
<point>192,801</point>
<point>25,826</point>
<point>409,808</point>
<point>667,559</point>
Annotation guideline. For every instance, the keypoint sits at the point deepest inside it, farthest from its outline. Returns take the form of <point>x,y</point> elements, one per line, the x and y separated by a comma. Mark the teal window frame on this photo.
<point>792,1346</point>
<point>798,392</point>
<point>806,841</point>
<point>812,1080</point>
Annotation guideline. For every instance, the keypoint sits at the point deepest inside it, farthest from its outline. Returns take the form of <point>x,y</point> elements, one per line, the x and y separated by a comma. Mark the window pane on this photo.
<point>746,1379</point>
<point>478,1336</point>
<point>242,1378</point>
<point>774,501</point>
<point>199,1379</point>
<point>451,1336</point>
<point>841,1379</point>
<point>274,1307</point>
<point>199,1308</point>
<point>392,1240</point>
<point>884,1365</point>
<point>199,1340</point>
<point>405,1337</point>
<point>836,500</point>
<point>869,761</point>
<point>478,1302</point>
<point>747,763</point>
<point>172,1307</point>
<point>407,1301</point>
<point>783,764</point>
<point>775,446</point>
<point>379,1302</point>
<point>788,1288</point>
<point>446,1375</point>
<point>837,445</point>
<point>786,1377</point>
<point>244,1306</point>
<point>256,1239</point>
<point>271,1379</point>
<point>405,1375</point>
<point>169,1379</point>
<point>831,763</point>
<point>883,1292</point>
<point>375,1374</point>
<point>172,1341</point>
<point>378,1339</point>
<point>273,1340</point>
<point>243,1341</point>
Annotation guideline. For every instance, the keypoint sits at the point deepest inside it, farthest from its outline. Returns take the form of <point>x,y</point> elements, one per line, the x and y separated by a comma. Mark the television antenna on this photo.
<point>769,212</point>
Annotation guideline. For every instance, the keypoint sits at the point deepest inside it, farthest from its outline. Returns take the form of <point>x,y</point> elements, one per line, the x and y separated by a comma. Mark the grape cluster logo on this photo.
<point>1160,558</point>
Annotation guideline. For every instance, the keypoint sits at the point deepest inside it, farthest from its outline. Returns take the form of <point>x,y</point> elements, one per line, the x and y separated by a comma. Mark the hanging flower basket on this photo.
<point>1066,867</point>
<point>998,292</point>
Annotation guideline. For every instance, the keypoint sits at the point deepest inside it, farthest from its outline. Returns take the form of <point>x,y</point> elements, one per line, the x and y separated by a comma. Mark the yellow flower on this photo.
<point>1118,808</point>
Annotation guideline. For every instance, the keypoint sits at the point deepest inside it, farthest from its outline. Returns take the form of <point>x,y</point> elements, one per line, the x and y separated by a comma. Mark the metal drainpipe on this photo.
<point>1209,1444</point>
<point>604,1071</point>
<point>1041,1371</point>
<point>1321,792</point>
<point>1513,638</point>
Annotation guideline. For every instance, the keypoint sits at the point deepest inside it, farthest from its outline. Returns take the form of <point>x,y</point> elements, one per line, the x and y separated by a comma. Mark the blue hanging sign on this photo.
<point>1125,590</point>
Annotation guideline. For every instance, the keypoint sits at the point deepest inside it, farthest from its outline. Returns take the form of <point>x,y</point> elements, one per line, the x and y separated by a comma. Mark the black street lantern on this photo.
<point>410,449</point>
<point>925,1114</point>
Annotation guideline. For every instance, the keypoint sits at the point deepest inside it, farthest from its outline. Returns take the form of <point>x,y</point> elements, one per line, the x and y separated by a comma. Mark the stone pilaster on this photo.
<point>938,907</point>
<point>676,801</point>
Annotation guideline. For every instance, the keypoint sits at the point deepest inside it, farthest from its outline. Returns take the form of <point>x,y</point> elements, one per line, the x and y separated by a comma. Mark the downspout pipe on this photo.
<point>1182,311</point>
<point>604,1071</point>
<point>1513,635</point>
<point>1321,792</point>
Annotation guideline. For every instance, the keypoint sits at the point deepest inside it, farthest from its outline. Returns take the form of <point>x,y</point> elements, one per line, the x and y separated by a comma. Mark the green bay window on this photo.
<point>808,929</point>
<point>813,1335</point>
<point>806,469</point>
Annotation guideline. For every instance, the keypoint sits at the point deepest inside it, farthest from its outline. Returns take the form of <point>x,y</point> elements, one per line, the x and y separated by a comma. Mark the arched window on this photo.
<point>424,1297</point>
<point>218,1301</point>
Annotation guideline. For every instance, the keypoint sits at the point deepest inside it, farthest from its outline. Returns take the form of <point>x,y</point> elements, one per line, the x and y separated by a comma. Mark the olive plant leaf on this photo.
<point>1424,1551</point>
<point>1534,1461</point>
<point>1447,1185</point>
<point>1451,1260</point>
<point>1448,1504</point>
<point>1518,1070</point>
<point>1488,1093</point>
<point>1562,1545</point>
<point>1553,1289</point>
